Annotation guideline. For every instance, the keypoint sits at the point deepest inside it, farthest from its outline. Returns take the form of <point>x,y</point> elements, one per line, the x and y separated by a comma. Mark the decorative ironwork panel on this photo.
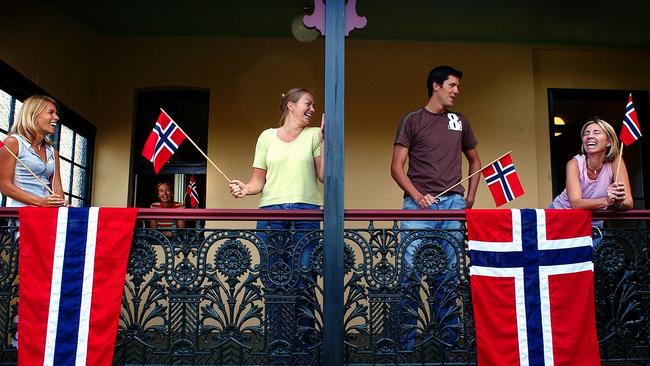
<point>254,297</point>
<point>622,289</point>
<point>407,297</point>
<point>8,292</point>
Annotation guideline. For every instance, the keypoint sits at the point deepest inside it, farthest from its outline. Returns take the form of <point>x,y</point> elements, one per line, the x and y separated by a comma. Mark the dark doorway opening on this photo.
<point>575,107</point>
<point>189,108</point>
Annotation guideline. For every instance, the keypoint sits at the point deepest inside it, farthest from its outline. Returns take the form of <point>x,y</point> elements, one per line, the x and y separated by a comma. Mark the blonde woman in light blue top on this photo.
<point>30,143</point>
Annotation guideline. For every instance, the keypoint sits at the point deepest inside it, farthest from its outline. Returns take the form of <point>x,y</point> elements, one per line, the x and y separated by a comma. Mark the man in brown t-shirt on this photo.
<point>433,138</point>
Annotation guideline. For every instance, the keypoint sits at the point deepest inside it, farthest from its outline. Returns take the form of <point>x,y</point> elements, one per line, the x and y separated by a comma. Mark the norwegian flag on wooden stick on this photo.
<point>163,141</point>
<point>631,129</point>
<point>192,192</point>
<point>501,177</point>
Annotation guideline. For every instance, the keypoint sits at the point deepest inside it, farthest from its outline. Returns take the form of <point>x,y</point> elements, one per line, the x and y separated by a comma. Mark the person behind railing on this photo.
<point>590,176</point>
<point>38,181</point>
<point>433,138</point>
<point>286,170</point>
<point>166,200</point>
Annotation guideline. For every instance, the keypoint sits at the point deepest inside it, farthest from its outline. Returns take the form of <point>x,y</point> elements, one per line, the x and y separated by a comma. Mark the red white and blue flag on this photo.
<point>192,192</point>
<point>72,269</point>
<point>532,283</point>
<point>163,141</point>
<point>502,180</point>
<point>631,129</point>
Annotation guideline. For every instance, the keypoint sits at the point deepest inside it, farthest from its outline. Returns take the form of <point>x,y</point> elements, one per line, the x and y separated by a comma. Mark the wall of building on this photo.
<point>561,67</point>
<point>54,51</point>
<point>384,80</point>
<point>503,93</point>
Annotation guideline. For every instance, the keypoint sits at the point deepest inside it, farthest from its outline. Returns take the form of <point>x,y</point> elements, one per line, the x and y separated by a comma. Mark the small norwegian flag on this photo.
<point>502,180</point>
<point>192,192</point>
<point>631,130</point>
<point>163,141</point>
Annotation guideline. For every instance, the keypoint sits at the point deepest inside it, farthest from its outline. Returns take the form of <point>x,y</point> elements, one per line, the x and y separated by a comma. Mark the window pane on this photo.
<point>80,150</point>
<point>18,105</point>
<point>65,175</point>
<point>76,202</point>
<point>65,144</point>
<point>79,182</point>
<point>4,110</point>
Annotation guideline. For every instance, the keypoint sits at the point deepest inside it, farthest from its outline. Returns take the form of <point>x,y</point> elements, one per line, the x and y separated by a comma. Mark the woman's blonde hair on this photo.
<point>25,124</point>
<point>293,96</point>
<point>613,149</point>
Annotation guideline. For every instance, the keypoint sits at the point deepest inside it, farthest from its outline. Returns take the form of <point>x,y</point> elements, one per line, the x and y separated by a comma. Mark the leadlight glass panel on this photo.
<point>5,99</point>
<point>17,105</point>
<point>80,150</point>
<point>65,143</point>
<point>65,175</point>
<point>78,181</point>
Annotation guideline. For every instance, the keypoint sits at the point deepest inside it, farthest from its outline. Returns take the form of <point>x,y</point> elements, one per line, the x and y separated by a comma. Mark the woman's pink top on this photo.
<point>590,188</point>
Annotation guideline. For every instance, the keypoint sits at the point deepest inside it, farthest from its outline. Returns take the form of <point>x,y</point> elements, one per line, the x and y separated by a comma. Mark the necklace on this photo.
<point>38,147</point>
<point>593,170</point>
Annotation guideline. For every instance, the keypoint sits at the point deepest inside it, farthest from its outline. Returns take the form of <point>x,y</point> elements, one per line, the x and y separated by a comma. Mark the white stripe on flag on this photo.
<point>87,287</point>
<point>520,302</point>
<point>55,290</point>
<point>545,300</point>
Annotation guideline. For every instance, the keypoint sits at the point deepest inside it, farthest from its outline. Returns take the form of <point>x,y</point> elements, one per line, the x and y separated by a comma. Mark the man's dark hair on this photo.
<point>439,74</point>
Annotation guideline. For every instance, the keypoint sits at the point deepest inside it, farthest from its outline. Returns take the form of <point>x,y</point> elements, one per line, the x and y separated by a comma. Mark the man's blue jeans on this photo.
<point>280,250</point>
<point>445,307</point>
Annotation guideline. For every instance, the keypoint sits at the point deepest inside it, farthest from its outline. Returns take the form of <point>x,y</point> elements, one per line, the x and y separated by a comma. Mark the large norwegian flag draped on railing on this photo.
<point>163,141</point>
<point>71,275</point>
<point>502,180</point>
<point>532,283</point>
<point>631,129</point>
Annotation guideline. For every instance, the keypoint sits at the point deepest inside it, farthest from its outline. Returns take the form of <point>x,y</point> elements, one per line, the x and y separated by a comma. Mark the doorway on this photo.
<point>569,109</point>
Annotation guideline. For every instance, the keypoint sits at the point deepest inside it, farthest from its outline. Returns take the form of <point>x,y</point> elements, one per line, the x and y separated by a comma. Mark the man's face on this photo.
<point>164,193</point>
<point>447,93</point>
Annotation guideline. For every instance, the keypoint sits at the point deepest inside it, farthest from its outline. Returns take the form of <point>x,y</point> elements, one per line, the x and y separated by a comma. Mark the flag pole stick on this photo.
<point>29,170</point>
<point>471,175</point>
<point>198,148</point>
<point>620,156</point>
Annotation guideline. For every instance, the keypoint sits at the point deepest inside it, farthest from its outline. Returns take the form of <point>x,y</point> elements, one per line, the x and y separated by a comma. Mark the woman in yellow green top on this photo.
<point>288,164</point>
<point>286,171</point>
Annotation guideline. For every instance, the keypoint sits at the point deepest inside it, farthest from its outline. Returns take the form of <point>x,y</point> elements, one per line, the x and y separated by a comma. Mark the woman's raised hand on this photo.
<point>238,188</point>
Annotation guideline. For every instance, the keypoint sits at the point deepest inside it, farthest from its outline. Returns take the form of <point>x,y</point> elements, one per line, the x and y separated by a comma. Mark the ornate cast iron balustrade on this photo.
<point>252,297</point>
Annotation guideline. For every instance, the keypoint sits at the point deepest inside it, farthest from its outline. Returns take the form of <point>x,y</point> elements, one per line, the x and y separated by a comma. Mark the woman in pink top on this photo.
<point>590,176</point>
